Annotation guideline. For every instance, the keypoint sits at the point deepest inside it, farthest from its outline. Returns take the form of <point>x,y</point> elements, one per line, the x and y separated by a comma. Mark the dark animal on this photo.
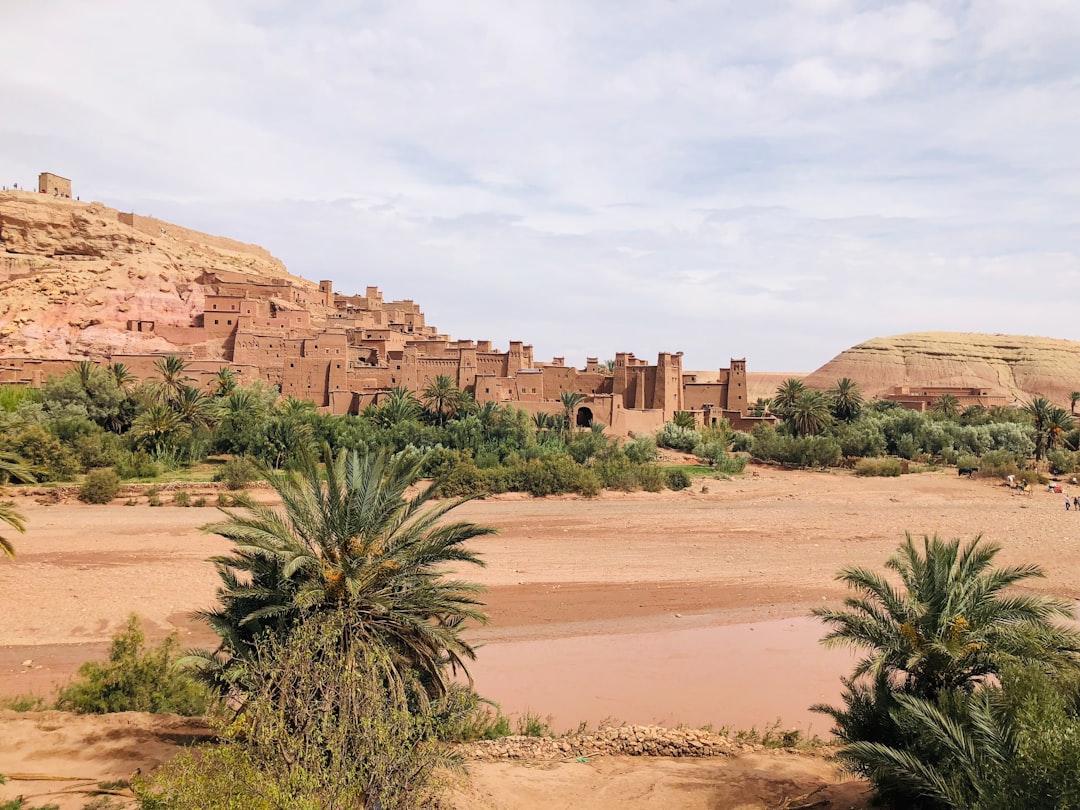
<point>967,471</point>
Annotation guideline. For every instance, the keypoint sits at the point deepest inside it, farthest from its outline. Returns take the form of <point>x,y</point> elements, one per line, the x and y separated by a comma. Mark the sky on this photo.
<point>769,180</point>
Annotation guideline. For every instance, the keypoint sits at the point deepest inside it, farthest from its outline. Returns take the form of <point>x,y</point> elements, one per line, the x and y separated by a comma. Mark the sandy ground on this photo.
<point>673,607</point>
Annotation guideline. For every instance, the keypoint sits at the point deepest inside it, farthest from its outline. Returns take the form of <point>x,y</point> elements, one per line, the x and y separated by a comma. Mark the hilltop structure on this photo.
<point>85,281</point>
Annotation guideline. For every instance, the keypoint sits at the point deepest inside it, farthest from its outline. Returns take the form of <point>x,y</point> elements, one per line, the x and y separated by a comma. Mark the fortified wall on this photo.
<point>88,281</point>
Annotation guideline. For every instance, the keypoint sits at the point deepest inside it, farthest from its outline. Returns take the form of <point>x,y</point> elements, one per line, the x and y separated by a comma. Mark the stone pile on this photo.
<point>633,741</point>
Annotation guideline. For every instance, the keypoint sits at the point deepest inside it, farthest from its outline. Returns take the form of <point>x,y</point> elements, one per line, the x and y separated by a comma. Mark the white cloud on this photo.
<point>775,180</point>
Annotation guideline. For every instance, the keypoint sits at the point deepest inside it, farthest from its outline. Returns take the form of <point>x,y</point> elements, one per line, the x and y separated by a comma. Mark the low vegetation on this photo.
<point>135,679</point>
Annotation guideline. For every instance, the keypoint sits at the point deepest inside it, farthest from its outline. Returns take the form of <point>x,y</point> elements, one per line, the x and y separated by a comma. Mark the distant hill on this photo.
<point>1015,366</point>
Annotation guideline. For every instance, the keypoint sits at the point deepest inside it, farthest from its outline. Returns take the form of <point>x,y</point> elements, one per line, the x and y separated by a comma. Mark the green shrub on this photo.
<point>1062,462</point>
<point>153,495</point>
<point>199,502</point>
<point>882,467</point>
<point>678,438</point>
<point>678,479</point>
<point>967,461</point>
<point>181,498</point>
<point>641,449</point>
<point>998,464</point>
<point>135,679</point>
<point>137,465</point>
<point>237,472</point>
<point>327,723</point>
<point>100,486</point>
<point>651,477</point>
<point>730,465</point>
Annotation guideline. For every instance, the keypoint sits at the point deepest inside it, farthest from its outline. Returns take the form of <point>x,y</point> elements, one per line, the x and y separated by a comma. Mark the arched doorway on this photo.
<point>584,417</point>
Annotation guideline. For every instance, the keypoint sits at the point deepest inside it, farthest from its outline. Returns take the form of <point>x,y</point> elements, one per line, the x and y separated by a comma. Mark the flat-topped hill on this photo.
<point>72,274</point>
<point>1014,366</point>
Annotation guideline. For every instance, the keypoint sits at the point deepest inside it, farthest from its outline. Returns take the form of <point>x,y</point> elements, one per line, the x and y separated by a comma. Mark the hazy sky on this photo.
<point>762,179</point>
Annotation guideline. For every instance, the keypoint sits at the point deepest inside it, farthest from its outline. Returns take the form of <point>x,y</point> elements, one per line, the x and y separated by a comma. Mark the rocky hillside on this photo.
<point>1015,366</point>
<point>73,273</point>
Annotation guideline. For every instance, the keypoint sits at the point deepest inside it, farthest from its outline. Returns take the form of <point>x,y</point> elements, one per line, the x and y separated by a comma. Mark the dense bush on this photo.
<point>998,464</point>
<point>328,721</point>
<point>237,473</point>
<point>135,679</point>
<point>1062,462</point>
<point>884,467</point>
<point>100,486</point>
<point>641,449</point>
<point>678,479</point>
<point>678,438</point>
<point>770,444</point>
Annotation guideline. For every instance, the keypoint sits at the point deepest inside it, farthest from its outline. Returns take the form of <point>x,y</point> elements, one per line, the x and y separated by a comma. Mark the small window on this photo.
<point>229,322</point>
<point>215,307</point>
<point>292,365</point>
<point>215,321</point>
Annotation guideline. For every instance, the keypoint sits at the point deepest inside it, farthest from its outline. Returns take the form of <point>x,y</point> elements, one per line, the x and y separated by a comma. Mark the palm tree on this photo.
<point>847,400</point>
<point>399,406</point>
<point>194,409</point>
<point>86,371</point>
<point>158,428</point>
<point>1058,423</point>
<point>13,467</point>
<point>809,414</point>
<point>173,373</point>
<point>1040,411</point>
<point>684,419</point>
<point>442,397</point>
<point>570,400</point>
<point>786,394</point>
<point>948,626</point>
<point>123,377</point>
<point>224,382</point>
<point>609,367</point>
<point>354,542</point>
<point>947,405</point>
<point>760,407</point>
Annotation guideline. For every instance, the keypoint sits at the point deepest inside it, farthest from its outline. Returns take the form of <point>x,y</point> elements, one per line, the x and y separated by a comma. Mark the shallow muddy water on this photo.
<point>742,675</point>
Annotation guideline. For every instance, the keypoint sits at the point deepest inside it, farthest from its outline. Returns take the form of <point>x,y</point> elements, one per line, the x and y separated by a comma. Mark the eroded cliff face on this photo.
<point>73,273</point>
<point>1015,366</point>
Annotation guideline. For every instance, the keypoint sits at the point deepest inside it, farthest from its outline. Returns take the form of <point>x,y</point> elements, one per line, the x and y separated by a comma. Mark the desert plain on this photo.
<point>670,608</point>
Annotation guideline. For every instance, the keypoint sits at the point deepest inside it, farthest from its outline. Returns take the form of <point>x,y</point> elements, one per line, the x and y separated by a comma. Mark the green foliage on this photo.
<point>884,467</point>
<point>237,473</point>
<point>100,486</point>
<point>181,498</point>
<point>1062,462</point>
<point>139,464</point>
<point>12,396</point>
<point>677,479</point>
<point>328,721</point>
<point>135,679</point>
<point>998,464</point>
<point>43,451</point>
<point>350,541</point>
<point>919,715</point>
<point>640,449</point>
<point>678,438</point>
<point>769,444</point>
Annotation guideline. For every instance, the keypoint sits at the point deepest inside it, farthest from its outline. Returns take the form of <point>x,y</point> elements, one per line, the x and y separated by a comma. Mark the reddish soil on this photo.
<point>674,607</point>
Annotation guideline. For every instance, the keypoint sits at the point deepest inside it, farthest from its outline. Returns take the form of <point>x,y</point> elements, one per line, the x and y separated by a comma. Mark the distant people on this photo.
<point>1068,503</point>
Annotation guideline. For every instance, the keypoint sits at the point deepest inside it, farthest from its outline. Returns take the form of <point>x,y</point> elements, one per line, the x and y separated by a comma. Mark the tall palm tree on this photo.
<point>356,542</point>
<point>173,373</point>
<point>847,399</point>
<point>442,397</point>
<point>194,408</point>
<point>684,419</point>
<point>789,391</point>
<point>948,625</point>
<point>570,400</point>
<point>1040,411</point>
<point>1058,423</point>
<point>809,414</point>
